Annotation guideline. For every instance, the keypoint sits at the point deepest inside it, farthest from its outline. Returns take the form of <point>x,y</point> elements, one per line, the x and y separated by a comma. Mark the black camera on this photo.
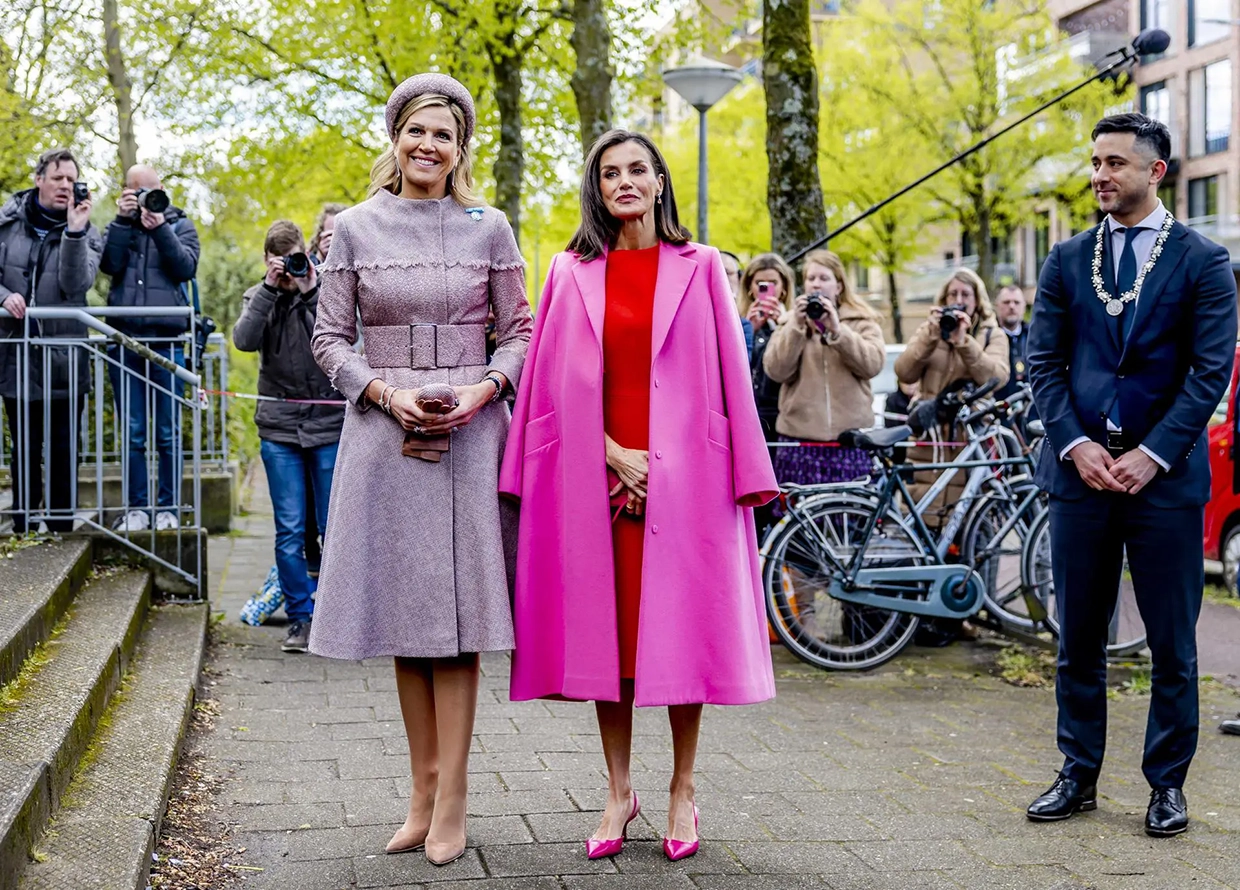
<point>204,327</point>
<point>949,320</point>
<point>815,307</point>
<point>297,265</point>
<point>153,200</point>
<point>81,192</point>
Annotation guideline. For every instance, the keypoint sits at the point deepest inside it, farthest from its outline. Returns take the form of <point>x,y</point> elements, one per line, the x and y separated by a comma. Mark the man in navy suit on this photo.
<point>1130,350</point>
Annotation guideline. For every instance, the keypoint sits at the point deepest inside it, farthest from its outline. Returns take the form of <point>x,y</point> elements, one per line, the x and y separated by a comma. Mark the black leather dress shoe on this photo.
<point>1062,800</point>
<point>1168,813</point>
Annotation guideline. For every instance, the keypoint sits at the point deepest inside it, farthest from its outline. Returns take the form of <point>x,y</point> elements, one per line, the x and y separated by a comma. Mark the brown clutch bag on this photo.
<point>437,398</point>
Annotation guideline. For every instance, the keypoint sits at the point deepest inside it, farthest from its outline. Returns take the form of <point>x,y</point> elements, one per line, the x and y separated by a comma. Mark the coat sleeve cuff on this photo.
<point>1063,455</point>
<point>1156,459</point>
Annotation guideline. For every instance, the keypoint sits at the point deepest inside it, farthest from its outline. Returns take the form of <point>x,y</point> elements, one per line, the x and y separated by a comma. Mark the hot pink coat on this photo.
<point>702,635</point>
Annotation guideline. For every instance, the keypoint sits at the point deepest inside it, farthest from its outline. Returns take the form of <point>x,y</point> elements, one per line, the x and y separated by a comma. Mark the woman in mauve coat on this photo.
<point>414,566</point>
<point>636,453</point>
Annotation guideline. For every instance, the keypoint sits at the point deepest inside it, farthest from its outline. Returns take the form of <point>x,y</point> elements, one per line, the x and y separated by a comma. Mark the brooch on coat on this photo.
<point>475,213</point>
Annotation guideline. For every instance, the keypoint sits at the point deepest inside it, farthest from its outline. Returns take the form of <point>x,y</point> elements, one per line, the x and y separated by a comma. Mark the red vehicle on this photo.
<point>1222,538</point>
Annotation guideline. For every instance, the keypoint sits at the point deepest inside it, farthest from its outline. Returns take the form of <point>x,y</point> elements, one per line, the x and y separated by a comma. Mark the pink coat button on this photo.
<point>654,529</point>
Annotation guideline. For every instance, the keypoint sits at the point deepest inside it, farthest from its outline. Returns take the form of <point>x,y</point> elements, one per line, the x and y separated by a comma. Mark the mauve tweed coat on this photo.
<point>415,558</point>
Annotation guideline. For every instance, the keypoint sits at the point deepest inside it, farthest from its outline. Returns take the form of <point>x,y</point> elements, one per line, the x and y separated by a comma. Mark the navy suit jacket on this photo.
<point>1169,373</point>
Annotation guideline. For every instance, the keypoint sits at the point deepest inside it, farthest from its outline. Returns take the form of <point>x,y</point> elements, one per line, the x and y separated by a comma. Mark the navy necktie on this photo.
<point>1125,278</point>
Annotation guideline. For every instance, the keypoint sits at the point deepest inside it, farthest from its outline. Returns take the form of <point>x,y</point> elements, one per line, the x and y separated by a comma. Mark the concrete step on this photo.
<point>105,831</point>
<point>49,712</point>
<point>36,586</point>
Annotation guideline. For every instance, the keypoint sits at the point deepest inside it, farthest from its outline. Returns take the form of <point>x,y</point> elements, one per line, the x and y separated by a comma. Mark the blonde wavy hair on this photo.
<point>985,311</point>
<point>761,263</point>
<point>830,259</point>
<point>385,174</point>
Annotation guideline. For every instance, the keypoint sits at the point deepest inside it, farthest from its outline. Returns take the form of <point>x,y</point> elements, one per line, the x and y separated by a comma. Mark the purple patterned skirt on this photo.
<point>819,463</point>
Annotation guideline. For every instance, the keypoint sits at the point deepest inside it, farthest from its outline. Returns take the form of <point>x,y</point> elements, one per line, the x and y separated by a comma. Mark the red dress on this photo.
<point>627,335</point>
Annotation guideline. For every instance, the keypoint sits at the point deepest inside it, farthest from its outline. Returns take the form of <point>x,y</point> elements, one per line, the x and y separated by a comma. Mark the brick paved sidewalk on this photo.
<point>910,778</point>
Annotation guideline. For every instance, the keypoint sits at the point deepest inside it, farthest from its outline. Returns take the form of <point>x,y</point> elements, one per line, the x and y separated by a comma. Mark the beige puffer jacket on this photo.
<point>932,363</point>
<point>826,387</point>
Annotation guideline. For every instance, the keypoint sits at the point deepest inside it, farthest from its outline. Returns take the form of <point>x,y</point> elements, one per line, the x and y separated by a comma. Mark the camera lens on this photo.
<point>814,308</point>
<point>81,192</point>
<point>297,265</point>
<point>153,200</point>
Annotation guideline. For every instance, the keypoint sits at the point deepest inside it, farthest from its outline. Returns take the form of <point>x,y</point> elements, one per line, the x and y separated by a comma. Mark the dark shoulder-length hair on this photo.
<point>598,230</point>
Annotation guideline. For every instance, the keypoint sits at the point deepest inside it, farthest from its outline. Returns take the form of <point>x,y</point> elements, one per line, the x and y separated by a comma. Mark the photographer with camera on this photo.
<point>299,441</point>
<point>49,254</point>
<point>960,340</point>
<point>151,251</point>
<point>766,286</point>
<point>824,353</point>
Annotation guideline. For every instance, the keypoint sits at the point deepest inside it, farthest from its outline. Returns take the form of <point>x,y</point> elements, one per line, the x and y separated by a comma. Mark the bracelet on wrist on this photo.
<point>499,385</point>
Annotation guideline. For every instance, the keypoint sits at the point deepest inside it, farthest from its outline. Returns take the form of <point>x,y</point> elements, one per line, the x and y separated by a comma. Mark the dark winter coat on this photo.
<point>54,271</point>
<point>149,268</point>
<point>278,326</point>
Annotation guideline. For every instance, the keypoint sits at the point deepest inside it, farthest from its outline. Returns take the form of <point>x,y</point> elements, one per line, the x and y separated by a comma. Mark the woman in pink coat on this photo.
<point>636,453</point>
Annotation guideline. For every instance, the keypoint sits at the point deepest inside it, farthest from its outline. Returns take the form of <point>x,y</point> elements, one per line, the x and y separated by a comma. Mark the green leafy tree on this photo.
<point>958,71</point>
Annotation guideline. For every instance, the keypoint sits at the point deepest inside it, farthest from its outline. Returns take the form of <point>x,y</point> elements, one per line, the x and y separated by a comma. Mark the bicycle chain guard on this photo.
<point>955,591</point>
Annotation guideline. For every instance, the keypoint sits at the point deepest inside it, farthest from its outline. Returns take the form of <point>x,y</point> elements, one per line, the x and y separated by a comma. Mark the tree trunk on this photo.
<point>122,86</point>
<point>893,299</point>
<point>592,77</point>
<point>985,249</point>
<point>510,160</point>
<point>790,81</point>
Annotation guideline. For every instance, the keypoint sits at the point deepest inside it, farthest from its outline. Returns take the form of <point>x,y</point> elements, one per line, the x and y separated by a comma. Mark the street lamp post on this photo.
<point>702,83</point>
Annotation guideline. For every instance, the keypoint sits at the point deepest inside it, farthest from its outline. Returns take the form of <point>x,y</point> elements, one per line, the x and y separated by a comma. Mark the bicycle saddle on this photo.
<point>1036,428</point>
<point>879,438</point>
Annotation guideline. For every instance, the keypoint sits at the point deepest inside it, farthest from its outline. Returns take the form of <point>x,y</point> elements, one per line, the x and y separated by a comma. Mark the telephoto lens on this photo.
<point>297,265</point>
<point>153,200</point>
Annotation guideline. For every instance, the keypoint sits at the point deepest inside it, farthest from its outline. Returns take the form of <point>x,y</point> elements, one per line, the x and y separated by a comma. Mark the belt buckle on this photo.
<point>434,346</point>
<point>1115,441</point>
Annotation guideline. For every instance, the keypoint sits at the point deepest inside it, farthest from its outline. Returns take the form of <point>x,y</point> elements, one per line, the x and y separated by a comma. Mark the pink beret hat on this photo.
<point>432,84</point>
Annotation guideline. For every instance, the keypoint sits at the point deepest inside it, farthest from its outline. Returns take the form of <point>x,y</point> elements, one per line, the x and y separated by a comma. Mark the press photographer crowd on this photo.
<point>636,432</point>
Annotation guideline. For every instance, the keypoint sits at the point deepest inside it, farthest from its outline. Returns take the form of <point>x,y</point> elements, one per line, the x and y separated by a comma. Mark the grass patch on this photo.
<point>10,546</point>
<point>13,692</point>
<point>1216,593</point>
<point>1140,683</point>
<point>1026,667</point>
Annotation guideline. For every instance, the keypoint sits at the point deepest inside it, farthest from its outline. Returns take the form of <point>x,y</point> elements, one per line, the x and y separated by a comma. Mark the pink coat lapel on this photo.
<point>591,281</point>
<point>675,272</point>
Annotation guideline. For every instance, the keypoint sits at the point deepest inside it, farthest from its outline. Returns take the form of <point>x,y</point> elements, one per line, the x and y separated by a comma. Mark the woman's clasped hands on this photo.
<point>632,465</point>
<point>403,406</point>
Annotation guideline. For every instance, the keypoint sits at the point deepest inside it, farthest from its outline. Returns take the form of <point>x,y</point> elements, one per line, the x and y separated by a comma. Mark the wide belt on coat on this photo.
<point>424,347</point>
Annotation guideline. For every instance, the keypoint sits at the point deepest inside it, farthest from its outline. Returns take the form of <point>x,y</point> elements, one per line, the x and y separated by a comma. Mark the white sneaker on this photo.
<point>166,521</point>
<point>134,521</point>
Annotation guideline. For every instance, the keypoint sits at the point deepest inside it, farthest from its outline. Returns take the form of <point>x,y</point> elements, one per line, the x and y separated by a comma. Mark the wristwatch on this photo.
<point>499,386</point>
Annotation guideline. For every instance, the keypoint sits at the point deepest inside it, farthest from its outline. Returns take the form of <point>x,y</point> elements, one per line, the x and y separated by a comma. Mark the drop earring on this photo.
<point>658,199</point>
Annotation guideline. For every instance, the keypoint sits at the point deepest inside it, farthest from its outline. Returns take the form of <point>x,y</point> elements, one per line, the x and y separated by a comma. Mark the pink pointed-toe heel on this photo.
<point>596,849</point>
<point>676,850</point>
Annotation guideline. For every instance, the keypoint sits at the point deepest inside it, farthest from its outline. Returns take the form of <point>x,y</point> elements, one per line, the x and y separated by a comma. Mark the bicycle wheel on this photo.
<point>816,627</point>
<point>1127,631</point>
<point>993,542</point>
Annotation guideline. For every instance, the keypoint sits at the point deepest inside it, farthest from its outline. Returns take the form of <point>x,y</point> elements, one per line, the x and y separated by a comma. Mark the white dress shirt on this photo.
<point>1142,246</point>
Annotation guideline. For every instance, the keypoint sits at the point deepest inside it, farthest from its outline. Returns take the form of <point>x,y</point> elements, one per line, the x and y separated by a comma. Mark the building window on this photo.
<point>1208,21</point>
<point>1156,102</point>
<point>1209,93</point>
<point>1156,14</point>
<point>1203,198</point>
<point>1166,194</point>
<point>861,275</point>
<point>1041,242</point>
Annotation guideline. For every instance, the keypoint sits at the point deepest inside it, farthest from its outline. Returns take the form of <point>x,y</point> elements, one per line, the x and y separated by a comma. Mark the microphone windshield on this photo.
<point>1151,42</point>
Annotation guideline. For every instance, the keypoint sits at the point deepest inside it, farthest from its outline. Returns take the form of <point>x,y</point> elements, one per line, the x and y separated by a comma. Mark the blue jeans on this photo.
<point>288,468</point>
<point>133,395</point>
